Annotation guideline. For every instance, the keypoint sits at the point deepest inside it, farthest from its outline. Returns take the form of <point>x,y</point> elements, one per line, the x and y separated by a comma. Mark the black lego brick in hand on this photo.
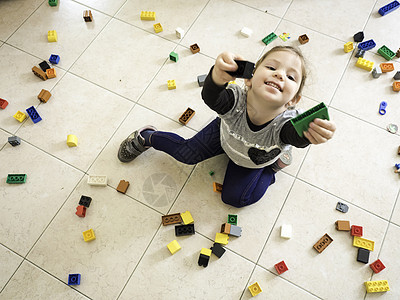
<point>245,69</point>
<point>181,230</point>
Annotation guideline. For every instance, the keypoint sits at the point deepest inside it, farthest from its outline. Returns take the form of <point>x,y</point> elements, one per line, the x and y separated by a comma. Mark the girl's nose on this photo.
<point>278,75</point>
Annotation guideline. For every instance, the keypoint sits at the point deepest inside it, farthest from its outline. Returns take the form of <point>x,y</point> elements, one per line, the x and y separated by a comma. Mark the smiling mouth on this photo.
<point>274,85</point>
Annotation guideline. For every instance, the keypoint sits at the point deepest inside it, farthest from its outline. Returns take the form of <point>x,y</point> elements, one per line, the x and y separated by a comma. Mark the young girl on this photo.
<point>253,126</point>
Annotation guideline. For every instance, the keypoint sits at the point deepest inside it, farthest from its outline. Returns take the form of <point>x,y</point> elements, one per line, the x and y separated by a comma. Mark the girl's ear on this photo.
<point>247,82</point>
<point>293,102</point>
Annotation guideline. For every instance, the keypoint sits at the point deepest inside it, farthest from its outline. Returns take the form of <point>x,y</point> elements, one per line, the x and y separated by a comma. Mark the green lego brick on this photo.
<point>269,38</point>
<point>386,52</point>
<point>173,56</point>
<point>16,178</point>
<point>232,219</point>
<point>53,2</point>
<point>302,121</point>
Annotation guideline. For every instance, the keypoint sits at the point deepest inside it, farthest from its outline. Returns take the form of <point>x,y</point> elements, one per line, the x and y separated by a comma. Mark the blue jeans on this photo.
<point>241,187</point>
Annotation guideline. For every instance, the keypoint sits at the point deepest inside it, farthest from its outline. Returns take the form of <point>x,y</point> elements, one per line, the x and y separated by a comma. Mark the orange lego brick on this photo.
<point>123,186</point>
<point>396,86</point>
<point>226,228</point>
<point>303,39</point>
<point>44,96</point>
<point>87,15</point>
<point>186,116</point>
<point>323,243</point>
<point>39,73</point>
<point>171,219</point>
<point>217,187</point>
<point>51,73</point>
<point>386,67</point>
<point>342,225</point>
<point>81,211</point>
<point>194,48</point>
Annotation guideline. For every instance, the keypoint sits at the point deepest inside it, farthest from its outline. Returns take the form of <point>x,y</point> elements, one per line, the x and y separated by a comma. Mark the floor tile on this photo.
<point>123,229</point>
<point>10,262</point>
<point>26,209</point>
<point>155,178</point>
<point>170,15</point>
<point>12,15</point>
<point>161,275</point>
<point>396,213</point>
<point>318,16</point>
<point>105,6</point>
<point>19,86</point>
<point>29,282</point>
<point>311,212</point>
<point>356,165</point>
<point>73,33</point>
<point>80,108</point>
<point>274,7</point>
<point>212,27</point>
<point>209,212</point>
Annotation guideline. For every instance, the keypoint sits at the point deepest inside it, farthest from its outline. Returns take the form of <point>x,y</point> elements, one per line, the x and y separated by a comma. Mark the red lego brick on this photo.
<point>3,103</point>
<point>281,267</point>
<point>356,230</point>
<point>81,211</point>
<point>377,266</point>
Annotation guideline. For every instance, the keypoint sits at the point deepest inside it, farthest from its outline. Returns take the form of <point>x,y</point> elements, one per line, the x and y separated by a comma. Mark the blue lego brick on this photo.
<point>74,279</point>
<point>33,114</point>
<point>367,45</point>
<point>384,10</point>
<point>54,59</point>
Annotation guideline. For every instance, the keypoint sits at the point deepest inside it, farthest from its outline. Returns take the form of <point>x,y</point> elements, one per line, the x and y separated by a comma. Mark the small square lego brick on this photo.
<point>3,103</point>
<point>218,250</point>
<point>356,230</point>
<point>181,230</point>
<point>171,84</point>
<point>363,243</point>
<point>281,267</point>
<point>303,39</point>
<point>358,37</point>
<point>72,140</point>
<point>376,72</point>
<point>157,28</point>
<point>39,73</point>
<point>20,116</point>
<point>348,47</point>
<point>203,260</point>
<point>87,15</point>
<point>88,235</point>
<point>396,86</point>
<point>377,286</point>
<point>201,79</point>
<point>53,2</point>
<point>148,15</point>
<point>194,48</point>
<point>247,32</point>
<point>342,225</point>
<point>16,178</point>
<point>123,186</point>
<point>386,67</point>
<point>397,76</point>
<point>342,207</point>
<point>80,211</point>
<point>235,230</point>
<point>52,36</point>
<point>74,279</point>
<point>85,201</point>
<point>217,187</point>
<point>377,266</point>
<point>269,38</point>
<point>255,289</point>
<point>384,10</point>
<point>179,32</point>
<point>187,218</point>
<point>33,114</point>
<point>171,219</point>
<point>14,140</point>
<point>360,53</point>
<point>221,238</point>
<point>44,96</point>
<point>232,219</point>
<point>226,228</point>
<point>173,56</point>
<point>173,247</point>
<point>245,69</point>
<point>363,255</point>
<point>44,66</point>
<point>186,116</point>
<point>51,73</point>
<point>98,180</point>
<point>286,231</point>
<point>323,243</point>
<point>54,59</point>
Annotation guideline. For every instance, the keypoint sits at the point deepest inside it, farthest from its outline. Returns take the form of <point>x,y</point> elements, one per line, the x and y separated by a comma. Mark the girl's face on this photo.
<point>277,79</point>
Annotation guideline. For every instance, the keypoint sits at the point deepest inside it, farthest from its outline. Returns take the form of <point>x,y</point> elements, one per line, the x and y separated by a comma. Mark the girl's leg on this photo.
<point>243,186</point>
<point>205,144</point>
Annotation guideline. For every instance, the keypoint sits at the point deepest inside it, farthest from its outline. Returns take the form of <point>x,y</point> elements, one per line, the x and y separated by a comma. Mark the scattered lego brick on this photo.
<point>363,243</point>
<point>3,103</point>
<point>392,128</point>
<point>33,114</point>
<point>88,235</point>
<point>386,67</point>
<point>53,2</point>
<point>382,108</point>
<point>231,229</point>
<point>99,180</point>
<point>356,230</point>
<point>54,59</point>
<point>397,76</point>
<point>173,247</point>
<point>81,211</point>
<point>386,52</point>
<point>44,66</point>
<point>284,36</point>
<point>255,289</point>
<point>211,173</point>
<point>195,48</point>
<point>217,187</point>
<point>286,231</point>
<point>204,257</point>
<point>384,10</point>
<point>16,178</point>
<point>323,243</point>
<point>44,96</point>
<point>14,140</point>
<point>245,69</point>
<point>148,15</point>
<point>74,279</point>
<point>85,201</point>
<point>348,47</point>
<point>187,218</point>
<point>396,86</point>
<point>218,250</point>
<point>398,150</point>
<point>201,79</point>
<point>52,36</point>
<point>363,255</point>
<point>367,45</point>
<point>377,266</point>
<point>171,219</point>
<point>39,73</point>
<point>247,32</point>
<point>364,64</point>
<point>301,122</point>
<point>358,37</point>
<point>303,39</point>
<point>398,53</point>
<point>51,73</point>
<point>360,53</point>
<point>87,15</point>
<point>221,238</point>
<point>181,230</point>
<point>173,56</point>
<point>232,219</point>
<point>269,38</point>
<point>179,32</point>
<point>186,116</point>
<point>20,116</point>
<point>157,28</point>
<point>281,267</point>
<point>377,286</point>
<point>342,225</point>
<point>376,72</point>
<point>123,186</point>
<point>171,84</point>
<point>72,140</point>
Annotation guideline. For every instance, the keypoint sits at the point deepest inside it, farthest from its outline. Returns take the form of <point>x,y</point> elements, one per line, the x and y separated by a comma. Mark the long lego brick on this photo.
<point>171,219</point>
<point>269,38</point>
<point>100,180</point>
<point>377,286</point>
<point>365,64</point>
<point>384,10</point>
<point>16,178</point>
<point>367,45</point>
<point>386,52</point>
<point>363,243</point>
<point>302,121</point>
<point>386,67</point>
<point>181,230</point>
<point>186,116</point>
<point>33,114</point>
<point>323,243</point>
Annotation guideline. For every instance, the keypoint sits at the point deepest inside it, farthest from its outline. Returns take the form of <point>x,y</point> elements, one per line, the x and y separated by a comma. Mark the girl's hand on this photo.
<point>320,131</point>
<point>225,62</point>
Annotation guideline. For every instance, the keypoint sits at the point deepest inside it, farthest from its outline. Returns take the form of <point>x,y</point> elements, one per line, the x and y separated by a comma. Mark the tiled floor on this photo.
<point>111,80</point>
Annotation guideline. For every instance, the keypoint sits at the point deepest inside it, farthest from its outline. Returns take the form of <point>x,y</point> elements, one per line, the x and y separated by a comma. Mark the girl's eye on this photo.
<point>271,68</point>
<point>291,78</point>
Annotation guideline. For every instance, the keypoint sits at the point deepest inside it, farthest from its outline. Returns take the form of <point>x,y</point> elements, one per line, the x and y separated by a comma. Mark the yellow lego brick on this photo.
<point>221,238</point>
<point>157,27</point>
<point>205,251</point>
<point>51,73</point>
<point>377,286</point>
<point>20,116</point>
<point>364,64</point>
<point>88,235</point>
<point>52,36</point>
<point>171,84</point>
<point>363,243</point>
<point>174,246</point>
<point>187,218</point>
<point>348,47</point>
<point>148,15</point>
<point>232,82</point>
<point>72,140</point>
<point>255,289</point>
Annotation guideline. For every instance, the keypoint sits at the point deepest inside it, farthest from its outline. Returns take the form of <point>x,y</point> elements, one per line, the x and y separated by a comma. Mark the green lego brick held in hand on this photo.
<point>302,121</point>
<point>16,178</point>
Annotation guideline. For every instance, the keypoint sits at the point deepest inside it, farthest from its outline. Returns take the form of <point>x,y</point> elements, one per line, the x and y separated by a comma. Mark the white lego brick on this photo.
<point>97,180</point>
<point>247,32</point>
<point>179,32</point>
<point>286,231</point>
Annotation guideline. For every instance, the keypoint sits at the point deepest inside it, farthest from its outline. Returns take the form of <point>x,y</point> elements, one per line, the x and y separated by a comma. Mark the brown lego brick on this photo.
<point>44,96</point>
<point>51,73</point>
<point>39,73</point>
<point>226,228</point>
<point>398,53</point>
<point>396,86</point>
<point>217,187</point>
<point>323,243</point>
<point>303,39</point>
<point>386,67</point>
<point>194,48</point>
<point>123,186</point>
<point>398,150</point>
<point>87,15</point>
<point>186,116</point>
<point>171,219</point>
<point>342,225</point>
